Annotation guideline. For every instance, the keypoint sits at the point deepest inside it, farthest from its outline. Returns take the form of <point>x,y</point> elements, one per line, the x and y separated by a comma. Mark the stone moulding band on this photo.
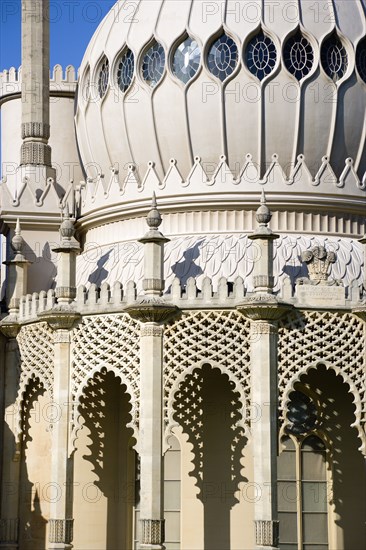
<point>35,129</point>
<point>35,153</point>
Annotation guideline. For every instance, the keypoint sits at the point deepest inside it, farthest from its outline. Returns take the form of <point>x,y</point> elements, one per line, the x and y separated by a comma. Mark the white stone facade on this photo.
<point>183,342</point>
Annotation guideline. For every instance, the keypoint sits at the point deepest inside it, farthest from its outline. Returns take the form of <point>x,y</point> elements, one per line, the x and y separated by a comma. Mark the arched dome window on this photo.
<point>260,55</point>
<point>86,86</point>
<point>298,55</point>
<point>361,59</point>
<point>334,57</point>
<point>153,64</point>
<point>186,60</point>
<point>103,77</point>
<point>125,70</point>
<point>223,57</point>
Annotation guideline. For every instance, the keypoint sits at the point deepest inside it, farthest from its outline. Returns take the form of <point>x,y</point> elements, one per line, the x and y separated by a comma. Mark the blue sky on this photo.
<point>72,24</point>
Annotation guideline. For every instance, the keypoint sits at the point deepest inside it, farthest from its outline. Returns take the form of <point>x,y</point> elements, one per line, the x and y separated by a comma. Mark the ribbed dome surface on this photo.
<point>295,85</point>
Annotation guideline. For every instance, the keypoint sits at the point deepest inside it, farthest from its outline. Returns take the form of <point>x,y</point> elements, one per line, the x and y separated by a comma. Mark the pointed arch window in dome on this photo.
<point>186,61</point>
<point>125,70</point>
<point>361,59</point>
<point>223,57</point>
<point>334,58</point>
<point>103,77</point>
<point>298,56</point>
<point>261,55</point>
<point>153,64</point>
<point>86,85</point>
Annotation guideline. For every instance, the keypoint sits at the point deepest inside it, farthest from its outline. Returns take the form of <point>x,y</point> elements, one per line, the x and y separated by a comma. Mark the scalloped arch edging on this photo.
<point>352,390</point>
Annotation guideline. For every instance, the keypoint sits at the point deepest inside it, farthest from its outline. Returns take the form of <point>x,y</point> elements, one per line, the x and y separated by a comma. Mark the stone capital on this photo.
<point>152,310</point>
<point>263,307</point>
<point>9,326</point>
<point>60,317</point>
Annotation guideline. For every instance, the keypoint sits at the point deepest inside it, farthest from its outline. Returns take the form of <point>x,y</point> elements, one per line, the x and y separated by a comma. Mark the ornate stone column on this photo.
<point>153,312</point>
<point>264,310</point>
<point>61,319</point>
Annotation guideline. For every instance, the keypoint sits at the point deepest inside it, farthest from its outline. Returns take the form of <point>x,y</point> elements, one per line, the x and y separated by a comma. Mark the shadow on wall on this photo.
<point>348,464</point>
<point>32,527</point>
<point>105,407</point>
<point>185,267</point>
<point>100,274</point>
<point>208,409</point>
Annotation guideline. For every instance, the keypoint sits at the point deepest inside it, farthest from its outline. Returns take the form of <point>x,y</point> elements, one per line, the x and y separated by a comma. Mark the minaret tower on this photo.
<point>35,150</point>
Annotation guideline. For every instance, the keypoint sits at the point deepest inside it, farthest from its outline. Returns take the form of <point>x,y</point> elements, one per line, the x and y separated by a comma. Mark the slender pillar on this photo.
<point>61,319</point>
<point>263,309</point>
<point>61,522</point>
<point>153,312</point>
<point>152,504</point>
<point>35,83</point>
<point>264,429</point>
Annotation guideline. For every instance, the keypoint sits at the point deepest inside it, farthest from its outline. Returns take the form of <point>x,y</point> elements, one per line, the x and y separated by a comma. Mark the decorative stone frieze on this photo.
<point>152,330</point>
<point>35,129</point>
<point>266,533</point>
<point>260,327</point>
<point>9,531</point>
<point>61,530</point>
<point>62,336</point>
<point>35,153</point>
<point>152,531</point>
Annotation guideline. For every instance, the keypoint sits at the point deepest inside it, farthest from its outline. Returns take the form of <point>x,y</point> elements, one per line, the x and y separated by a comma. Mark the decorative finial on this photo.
<point>154,218</point>
<point>67,229</point>
<point>17,242</point>
<point>263,215</point>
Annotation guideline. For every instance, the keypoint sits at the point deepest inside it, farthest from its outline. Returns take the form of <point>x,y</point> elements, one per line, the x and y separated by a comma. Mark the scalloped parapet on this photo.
<point>299,189</point>
<point>61,80</point>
